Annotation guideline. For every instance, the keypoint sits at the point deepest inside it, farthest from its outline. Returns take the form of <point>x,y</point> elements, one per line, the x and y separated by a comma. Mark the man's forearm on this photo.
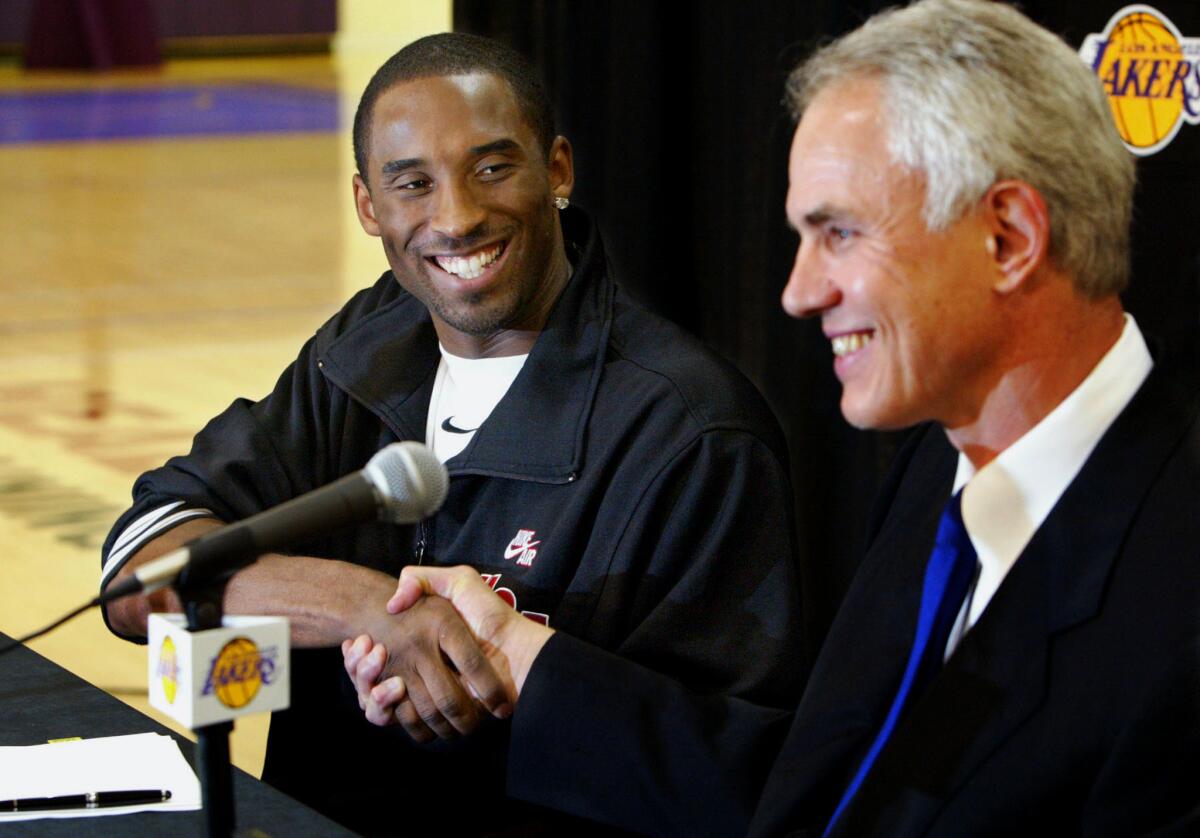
<point>128,616</point>
<point>326,601</point>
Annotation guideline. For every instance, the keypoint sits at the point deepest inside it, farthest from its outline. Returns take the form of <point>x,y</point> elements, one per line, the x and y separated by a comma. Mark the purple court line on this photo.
<point>178,111</point>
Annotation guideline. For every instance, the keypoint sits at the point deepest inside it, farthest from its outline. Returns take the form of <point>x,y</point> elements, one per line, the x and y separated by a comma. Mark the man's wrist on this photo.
<point>522,648</point>
<point>360,607</point>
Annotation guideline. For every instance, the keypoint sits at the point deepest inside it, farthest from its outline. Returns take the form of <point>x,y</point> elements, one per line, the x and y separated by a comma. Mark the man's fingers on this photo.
<point>417,581</point>
<point>409,719</point>
<point>418,713</point>
<point>389,692</point>
<point>408,591</point>
<point>352,652</point>
<point>390,702</point>
<point>442,703</point>
<point>445,619</point>
<point>421,580</point>
<point>369,669</point>
<point>433,648</point>
<point>477,672</point>
<point>380,703</point>
<point>430,642</point>
<point>484,612</point>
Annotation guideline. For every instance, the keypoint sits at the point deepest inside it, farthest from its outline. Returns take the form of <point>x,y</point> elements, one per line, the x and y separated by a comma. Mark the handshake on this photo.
<point>453,654</point>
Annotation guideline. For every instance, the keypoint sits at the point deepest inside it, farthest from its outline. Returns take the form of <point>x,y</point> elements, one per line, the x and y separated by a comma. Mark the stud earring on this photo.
<point>561,202</point>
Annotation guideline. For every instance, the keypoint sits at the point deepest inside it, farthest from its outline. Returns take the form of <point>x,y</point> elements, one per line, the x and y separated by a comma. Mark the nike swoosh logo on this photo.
<point>511,552</point>
<point>446,426</point>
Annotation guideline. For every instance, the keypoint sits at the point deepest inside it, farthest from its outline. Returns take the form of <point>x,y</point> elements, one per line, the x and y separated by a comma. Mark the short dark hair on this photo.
<point>453,54</point>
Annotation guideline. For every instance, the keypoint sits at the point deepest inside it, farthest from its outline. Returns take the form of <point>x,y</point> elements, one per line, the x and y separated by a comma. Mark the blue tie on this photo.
<point>947,578</point>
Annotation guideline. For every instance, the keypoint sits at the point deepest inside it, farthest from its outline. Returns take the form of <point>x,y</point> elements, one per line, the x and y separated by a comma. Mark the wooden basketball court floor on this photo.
<point>147,279</point>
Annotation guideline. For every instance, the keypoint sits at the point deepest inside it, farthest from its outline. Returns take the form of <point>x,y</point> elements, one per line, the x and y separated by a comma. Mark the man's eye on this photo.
<point>840,236</point>
<point>413,184</point>
<point>494,168</point>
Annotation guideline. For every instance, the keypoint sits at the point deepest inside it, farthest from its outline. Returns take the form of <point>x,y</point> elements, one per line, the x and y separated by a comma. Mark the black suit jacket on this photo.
<point>1073,704</point>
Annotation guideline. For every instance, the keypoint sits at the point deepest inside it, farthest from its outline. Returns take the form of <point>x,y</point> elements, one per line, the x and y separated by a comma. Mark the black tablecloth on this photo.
<point>39,700</point>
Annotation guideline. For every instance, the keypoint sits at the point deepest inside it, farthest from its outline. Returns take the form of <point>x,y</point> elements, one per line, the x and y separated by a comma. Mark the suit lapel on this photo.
<point>862,660</point>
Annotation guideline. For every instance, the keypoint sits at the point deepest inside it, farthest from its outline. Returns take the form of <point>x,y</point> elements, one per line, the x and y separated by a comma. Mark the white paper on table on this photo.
<point>110,763</point>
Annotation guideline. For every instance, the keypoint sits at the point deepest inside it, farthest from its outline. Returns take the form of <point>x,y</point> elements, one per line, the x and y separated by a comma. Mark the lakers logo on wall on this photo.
<point>237,672</point>
<point>1151,74</point>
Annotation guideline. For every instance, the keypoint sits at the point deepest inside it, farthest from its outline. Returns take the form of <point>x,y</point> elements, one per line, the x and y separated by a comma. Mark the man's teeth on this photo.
<point>845,344</point>
<point>468,267</point>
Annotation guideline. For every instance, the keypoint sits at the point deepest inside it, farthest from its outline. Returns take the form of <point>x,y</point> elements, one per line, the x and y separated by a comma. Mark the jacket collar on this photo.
<point>388,359</point>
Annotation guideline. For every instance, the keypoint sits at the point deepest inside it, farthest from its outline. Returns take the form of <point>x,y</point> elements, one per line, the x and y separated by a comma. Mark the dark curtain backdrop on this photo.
<point>680,148</point>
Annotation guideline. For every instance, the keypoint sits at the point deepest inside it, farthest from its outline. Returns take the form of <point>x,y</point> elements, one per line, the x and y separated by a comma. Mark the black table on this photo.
<point>39,700</point>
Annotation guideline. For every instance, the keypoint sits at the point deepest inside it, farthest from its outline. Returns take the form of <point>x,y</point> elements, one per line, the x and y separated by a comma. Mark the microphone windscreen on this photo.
<point>412,480</point>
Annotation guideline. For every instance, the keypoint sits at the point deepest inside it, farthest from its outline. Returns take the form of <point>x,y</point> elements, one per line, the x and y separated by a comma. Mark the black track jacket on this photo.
<point>651,474</point>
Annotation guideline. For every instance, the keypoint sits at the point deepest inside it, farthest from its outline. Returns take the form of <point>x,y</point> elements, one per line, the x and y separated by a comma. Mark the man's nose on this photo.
<point>458,213</point>
<point>809,290</point>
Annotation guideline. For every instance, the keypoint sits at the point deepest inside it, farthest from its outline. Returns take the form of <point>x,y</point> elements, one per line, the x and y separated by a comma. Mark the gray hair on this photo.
<point>976,93</point>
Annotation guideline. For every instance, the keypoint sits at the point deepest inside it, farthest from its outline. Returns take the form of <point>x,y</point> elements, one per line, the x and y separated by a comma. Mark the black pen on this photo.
<point>90,800</point>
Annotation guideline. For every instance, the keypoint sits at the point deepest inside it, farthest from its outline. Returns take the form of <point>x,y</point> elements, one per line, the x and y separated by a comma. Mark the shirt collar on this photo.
<point>1006,501</point>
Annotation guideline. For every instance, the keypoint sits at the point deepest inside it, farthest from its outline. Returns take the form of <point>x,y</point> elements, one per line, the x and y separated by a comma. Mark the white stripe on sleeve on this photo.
<point>144,529</point>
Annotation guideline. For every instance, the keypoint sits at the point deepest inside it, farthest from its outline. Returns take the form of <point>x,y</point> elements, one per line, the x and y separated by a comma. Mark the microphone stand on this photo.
<point>203,604</point>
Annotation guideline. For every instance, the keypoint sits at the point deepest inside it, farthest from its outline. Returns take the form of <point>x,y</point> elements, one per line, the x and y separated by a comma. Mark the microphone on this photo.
<point>403,483</point>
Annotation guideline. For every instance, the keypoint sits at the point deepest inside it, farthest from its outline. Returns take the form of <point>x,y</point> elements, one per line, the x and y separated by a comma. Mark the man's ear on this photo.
<point>366,210</point>
<point>1018,229</point>
<point>562,168</point>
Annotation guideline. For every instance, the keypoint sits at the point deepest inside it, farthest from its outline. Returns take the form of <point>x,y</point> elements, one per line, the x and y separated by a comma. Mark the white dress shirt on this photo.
<point>1005,502</point>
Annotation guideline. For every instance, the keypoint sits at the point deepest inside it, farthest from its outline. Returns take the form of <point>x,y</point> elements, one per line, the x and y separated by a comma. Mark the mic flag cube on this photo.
<point>202,678</point>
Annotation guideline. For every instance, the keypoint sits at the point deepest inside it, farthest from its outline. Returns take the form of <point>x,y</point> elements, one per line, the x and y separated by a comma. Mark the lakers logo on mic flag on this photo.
<point>238,671</point>
<point>205,677</point>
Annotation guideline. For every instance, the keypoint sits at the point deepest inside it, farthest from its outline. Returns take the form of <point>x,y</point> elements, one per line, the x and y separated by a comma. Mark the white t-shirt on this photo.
<point>465,392</point>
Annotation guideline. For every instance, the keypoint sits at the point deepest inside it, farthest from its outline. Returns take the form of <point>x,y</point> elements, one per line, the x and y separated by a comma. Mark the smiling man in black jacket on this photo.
<point>608,475</point>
